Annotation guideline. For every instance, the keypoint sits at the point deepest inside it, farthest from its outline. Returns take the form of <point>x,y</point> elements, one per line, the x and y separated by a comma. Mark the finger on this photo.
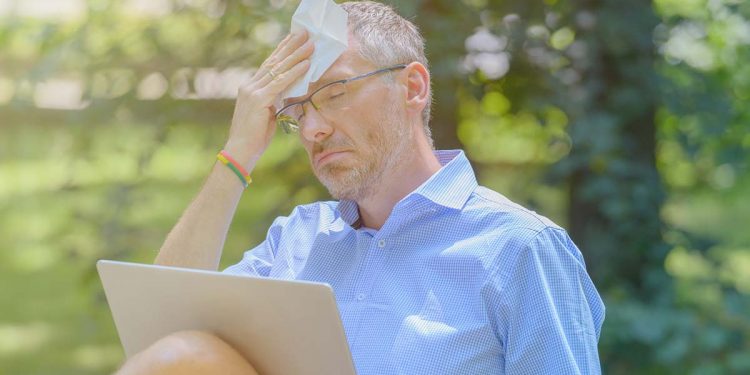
<point>282,51</point>
<point>265,66</point>
<point>285,40</point>
<point>297,38</point>
<point>285,79</point>
<point>280,47</point>
<point>303,52</point>
<point>300,54</point>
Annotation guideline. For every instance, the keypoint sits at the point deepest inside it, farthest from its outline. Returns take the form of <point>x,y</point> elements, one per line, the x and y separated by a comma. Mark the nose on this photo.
<point>314,127</point>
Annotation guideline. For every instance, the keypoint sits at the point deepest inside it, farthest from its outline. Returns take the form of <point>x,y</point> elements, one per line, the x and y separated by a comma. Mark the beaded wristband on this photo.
<point>227,160</point>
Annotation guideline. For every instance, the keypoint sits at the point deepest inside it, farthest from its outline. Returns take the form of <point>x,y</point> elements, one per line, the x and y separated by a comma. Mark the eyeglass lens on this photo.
<point>331,98</point>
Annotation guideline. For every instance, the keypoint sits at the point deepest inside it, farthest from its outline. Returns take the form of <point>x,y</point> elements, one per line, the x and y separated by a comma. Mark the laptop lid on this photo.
<point>280,326</point>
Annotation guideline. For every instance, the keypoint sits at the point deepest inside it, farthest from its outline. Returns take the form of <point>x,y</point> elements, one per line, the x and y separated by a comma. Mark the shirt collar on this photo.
<point>450,186</point>
<point>349,211</point>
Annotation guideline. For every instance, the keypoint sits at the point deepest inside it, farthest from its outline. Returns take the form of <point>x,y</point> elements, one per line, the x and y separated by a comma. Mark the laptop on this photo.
<point>280,326</point>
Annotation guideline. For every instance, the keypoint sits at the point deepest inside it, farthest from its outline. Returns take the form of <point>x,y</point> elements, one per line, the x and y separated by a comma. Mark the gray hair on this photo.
<point>385,39</point>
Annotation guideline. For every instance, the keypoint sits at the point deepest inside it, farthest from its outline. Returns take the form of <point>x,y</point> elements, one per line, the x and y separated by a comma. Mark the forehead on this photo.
<point>349,64</point>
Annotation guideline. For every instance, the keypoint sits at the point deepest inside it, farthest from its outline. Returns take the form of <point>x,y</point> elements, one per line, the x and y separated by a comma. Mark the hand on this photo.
<point>253,122</point>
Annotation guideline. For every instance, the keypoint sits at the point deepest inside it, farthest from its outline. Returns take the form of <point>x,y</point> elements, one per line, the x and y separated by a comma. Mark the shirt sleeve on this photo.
<point>547,310</point>
<point>259,260</point>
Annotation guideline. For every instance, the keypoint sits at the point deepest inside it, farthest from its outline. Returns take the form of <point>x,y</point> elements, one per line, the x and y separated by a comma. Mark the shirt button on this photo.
<point>381,243</point>
<point>360,296</point>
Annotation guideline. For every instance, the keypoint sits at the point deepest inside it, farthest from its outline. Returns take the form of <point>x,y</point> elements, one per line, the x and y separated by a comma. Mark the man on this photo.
<point>432,273</point>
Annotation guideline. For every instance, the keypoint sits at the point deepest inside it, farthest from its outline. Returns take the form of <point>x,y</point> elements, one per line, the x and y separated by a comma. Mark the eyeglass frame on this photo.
<point>285,126</point>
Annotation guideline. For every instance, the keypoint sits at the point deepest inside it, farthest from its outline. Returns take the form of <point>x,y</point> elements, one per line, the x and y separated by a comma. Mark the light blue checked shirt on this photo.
<point>459,280</point>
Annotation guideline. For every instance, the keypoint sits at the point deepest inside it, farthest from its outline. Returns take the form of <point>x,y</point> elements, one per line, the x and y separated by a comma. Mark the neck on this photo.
<point>418,165</point>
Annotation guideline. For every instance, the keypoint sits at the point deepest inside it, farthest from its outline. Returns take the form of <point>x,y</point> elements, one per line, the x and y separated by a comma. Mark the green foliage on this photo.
<point>623,121</point>
<point>657,135</point>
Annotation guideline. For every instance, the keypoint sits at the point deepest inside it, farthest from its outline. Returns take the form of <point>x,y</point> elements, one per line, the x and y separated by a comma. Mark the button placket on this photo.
<point>364,294</point>
<point>364,245</point>
<point>373,266</point>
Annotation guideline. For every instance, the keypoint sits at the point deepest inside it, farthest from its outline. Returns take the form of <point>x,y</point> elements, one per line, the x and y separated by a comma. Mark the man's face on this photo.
<point>351,150</point>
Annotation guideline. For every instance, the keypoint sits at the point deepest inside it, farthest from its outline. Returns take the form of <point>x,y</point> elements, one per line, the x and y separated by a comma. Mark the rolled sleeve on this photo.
<point>258,261</point>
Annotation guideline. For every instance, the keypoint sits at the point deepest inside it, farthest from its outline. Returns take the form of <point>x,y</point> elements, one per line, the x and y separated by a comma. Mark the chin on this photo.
<point>357,194</point>
<point>345,183</point>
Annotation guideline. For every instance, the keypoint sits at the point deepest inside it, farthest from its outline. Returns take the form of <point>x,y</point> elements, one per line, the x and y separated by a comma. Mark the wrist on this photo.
<point>244,154</point>
<point>237,168</point>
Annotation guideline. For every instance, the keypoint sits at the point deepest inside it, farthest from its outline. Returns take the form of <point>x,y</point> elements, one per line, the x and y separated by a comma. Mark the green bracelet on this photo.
<point>227,160</point>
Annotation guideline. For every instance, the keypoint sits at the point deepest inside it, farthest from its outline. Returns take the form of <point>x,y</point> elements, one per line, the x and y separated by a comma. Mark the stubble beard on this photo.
<point>357,178</point>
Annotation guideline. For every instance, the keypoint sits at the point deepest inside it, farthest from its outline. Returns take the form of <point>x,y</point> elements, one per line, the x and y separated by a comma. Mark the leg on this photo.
<point>188,353</point>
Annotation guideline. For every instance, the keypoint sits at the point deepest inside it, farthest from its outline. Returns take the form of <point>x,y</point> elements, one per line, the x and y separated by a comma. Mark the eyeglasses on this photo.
<point>330,97</point>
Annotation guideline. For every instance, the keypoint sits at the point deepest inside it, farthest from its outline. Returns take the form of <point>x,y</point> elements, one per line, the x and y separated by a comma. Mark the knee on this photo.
<point>197,346</point>
<point>190,352</point>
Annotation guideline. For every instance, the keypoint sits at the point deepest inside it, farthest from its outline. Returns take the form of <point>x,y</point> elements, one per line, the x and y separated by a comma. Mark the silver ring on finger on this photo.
<point>272,74</point>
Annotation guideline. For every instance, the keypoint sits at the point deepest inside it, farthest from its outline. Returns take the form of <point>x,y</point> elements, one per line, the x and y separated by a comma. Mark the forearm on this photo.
<point>198,238</point>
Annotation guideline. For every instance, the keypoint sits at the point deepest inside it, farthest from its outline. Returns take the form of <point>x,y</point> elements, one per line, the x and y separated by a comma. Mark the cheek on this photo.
<point>355,126</point>
<point>364,133</point>
<point>362,125</point>
<point>373,138</point>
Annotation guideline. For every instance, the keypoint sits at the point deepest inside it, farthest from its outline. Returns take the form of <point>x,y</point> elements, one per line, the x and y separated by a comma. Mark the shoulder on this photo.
<point>516,234</point>
<point>506,222</point>
<point>511,213</point>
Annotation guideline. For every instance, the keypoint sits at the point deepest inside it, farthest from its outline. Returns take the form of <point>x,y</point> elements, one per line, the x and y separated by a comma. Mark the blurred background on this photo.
<point>624,121</point>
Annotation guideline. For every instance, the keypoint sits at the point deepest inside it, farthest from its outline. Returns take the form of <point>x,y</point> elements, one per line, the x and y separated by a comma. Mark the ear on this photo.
<point>417,81</point>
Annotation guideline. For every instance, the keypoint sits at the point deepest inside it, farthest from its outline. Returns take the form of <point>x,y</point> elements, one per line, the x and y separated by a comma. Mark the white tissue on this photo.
<point>325,22</point>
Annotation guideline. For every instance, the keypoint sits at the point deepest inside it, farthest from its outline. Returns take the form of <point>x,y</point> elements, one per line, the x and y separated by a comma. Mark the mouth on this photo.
<point>328,156</point>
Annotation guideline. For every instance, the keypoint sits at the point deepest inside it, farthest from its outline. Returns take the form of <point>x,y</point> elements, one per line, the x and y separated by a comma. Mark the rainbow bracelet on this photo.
<point>227,160</point>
